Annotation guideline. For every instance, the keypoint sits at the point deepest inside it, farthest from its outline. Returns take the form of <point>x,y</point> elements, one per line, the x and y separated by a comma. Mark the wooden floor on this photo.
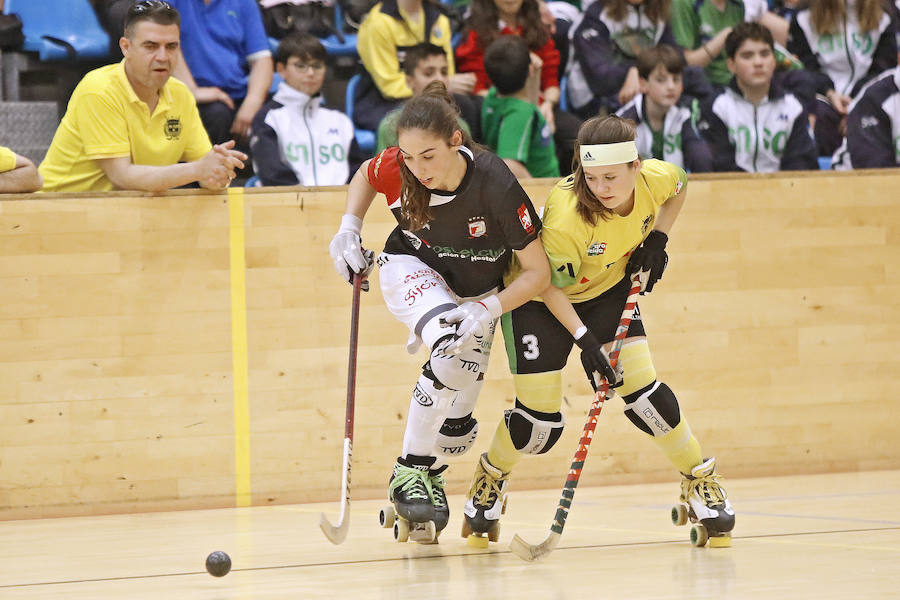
<point>814,536</point>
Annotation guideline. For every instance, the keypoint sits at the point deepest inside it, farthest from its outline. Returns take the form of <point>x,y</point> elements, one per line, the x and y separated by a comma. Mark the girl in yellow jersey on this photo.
<point>607,220</point>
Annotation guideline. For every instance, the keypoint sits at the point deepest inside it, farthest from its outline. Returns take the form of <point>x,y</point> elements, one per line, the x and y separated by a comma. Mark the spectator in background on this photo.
<point>666,121</point>
<point>873,126</point>
<point>227,63</point>
<point>513,126</point>
<point>701,26</point>
<point>111,14</point>
<point>491,19</point>
<point>295,140</point>
<point>17,173</point>
<point>844,44</point>
<point>754,125</point>
<point>606,43</point>
<point>129,124</point>
<point>423,64</point>
<point>390,29</point>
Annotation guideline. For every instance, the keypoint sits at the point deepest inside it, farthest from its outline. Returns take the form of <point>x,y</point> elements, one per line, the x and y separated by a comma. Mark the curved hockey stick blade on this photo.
<point>526,551</point>
<point>336,535</point>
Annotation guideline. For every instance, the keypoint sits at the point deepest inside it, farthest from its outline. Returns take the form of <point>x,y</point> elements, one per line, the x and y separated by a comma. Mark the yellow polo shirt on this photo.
<point>7,160</point>
<point>106,119</point>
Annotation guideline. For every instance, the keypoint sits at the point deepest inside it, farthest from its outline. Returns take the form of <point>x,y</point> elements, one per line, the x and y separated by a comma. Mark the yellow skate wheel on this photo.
<point>477,541</point>
<point>386,517</point>
<point>699,535</point>
<point>401,530</point>
<point>679,515</point>
<point>720,541</point>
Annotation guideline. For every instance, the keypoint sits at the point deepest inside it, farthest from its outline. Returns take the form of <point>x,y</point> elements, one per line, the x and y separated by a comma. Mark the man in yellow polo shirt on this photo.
<point>131,126</point>
<point>17,173</point>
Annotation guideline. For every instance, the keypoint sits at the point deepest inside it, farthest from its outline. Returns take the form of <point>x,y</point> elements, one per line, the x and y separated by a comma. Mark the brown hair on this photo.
<point>598,130</point>
<point>657,10</point>
<point>485,21</point>
<point>435,112</point>
<point>671,59</point>
<point>826,16</point>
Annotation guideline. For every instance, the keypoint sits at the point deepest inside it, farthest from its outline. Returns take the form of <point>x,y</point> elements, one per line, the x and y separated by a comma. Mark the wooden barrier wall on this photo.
<point>777,323</point>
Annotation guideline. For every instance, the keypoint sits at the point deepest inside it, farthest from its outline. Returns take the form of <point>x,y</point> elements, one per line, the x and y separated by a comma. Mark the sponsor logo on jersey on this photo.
<point>868,122</point>
<point>525,219</point>
<point>646,224</point>
<point>486,255</point>
<point>596,249</point>
<point>333,131</point>
<point>477,227</point>
<point>678,186</point>
<point>415,240</point>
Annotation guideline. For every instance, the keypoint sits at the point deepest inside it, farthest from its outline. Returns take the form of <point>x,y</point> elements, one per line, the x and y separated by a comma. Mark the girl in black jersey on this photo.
<point>461,217</point>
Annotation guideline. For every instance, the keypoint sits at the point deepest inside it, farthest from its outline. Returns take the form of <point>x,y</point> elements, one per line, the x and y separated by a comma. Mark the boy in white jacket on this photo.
<point>294,139</point>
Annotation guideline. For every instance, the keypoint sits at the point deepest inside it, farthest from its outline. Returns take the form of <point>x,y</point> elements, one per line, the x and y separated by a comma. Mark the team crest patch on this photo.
<point>477,228</point>
<point>646,224</point>
<point>173,129</point>
<point>525,219</point>
<point>596,249</point>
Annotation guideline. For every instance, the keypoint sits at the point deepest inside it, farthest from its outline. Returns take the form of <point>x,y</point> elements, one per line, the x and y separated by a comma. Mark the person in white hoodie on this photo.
<point>293,138</point>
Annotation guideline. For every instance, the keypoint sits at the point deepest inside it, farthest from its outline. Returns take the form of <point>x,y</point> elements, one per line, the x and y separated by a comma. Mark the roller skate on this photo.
<point>704,502</point>
<point>412,514</point>
<point>439,499</point>
<point>486,502</point>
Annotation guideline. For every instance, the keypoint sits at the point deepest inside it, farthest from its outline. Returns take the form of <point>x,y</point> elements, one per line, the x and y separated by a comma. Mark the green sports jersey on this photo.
<point>695,22</point>
<point>387,130</point>
<point>517,130</point>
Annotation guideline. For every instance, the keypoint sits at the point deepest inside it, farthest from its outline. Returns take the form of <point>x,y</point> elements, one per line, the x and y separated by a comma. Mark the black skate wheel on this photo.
<point>699,535</point>
<point>386,517</point>
<point>401,530</point>
<point>679,515</point>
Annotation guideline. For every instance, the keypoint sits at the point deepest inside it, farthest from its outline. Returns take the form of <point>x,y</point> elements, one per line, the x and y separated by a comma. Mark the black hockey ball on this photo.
<point>218,564</point>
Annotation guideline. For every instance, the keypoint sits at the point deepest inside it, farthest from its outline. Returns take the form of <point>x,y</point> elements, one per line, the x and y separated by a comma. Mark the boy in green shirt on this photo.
<point>511,124</point>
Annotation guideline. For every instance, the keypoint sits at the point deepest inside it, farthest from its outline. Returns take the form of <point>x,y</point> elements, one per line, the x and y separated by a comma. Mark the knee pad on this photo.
<point>637,367</point>
<point>454,371</point>
<point>532,431</point>
<point>457,436</point>
<point>653,409</point>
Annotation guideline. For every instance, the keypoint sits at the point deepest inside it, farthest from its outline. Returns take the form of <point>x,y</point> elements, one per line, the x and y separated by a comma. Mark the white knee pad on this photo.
<point>455,371</point>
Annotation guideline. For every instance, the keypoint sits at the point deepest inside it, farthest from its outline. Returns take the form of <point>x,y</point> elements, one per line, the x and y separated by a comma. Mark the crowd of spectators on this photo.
<point>713,85</point>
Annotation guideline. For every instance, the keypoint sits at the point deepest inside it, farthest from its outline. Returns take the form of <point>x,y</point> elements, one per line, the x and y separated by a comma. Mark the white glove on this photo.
<point>347,252</point>
<point>754,10</point>
<point>474,320</point>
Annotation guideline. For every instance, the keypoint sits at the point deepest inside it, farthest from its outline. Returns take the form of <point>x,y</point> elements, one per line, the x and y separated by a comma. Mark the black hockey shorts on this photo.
<point>537,343</point>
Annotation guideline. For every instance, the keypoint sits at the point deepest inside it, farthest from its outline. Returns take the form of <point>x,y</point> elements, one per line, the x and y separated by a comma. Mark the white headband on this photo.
<point>602,155</point>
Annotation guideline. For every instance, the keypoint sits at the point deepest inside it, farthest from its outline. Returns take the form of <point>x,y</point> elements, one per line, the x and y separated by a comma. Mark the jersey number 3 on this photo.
<point>532,351</point>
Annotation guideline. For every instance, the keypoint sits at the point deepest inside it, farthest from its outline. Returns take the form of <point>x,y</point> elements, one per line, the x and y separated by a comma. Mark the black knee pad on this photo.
<point>653,409</point>
<point>532,431</point>
<point>457,436</point>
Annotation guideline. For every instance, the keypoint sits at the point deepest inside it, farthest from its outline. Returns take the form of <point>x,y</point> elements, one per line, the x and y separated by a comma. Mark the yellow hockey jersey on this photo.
<point>587,260</point>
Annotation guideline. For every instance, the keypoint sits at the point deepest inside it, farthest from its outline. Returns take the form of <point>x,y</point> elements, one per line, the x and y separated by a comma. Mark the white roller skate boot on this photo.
<point>486,502</point>
<point>412,513</point>
<point>705,503</point>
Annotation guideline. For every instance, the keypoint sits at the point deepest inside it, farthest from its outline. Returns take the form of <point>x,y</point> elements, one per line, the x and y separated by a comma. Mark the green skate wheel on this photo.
<point>679,515</point>
<point>699,535</point>
<point>386,517</point>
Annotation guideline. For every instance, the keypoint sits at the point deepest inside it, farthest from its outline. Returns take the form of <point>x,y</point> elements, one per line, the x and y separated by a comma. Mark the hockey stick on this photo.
<point>337,534</point>
<point>519,546</point>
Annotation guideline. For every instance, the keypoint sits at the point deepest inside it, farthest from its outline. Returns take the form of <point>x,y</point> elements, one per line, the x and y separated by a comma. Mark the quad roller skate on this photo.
<point>412,514</point>
<point>486,502</point>
<point>704,503</point>
<point>439,499</point>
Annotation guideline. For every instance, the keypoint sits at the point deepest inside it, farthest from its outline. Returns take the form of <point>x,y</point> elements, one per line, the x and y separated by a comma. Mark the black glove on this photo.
<point>651,258</point>
<point>596,362</point>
